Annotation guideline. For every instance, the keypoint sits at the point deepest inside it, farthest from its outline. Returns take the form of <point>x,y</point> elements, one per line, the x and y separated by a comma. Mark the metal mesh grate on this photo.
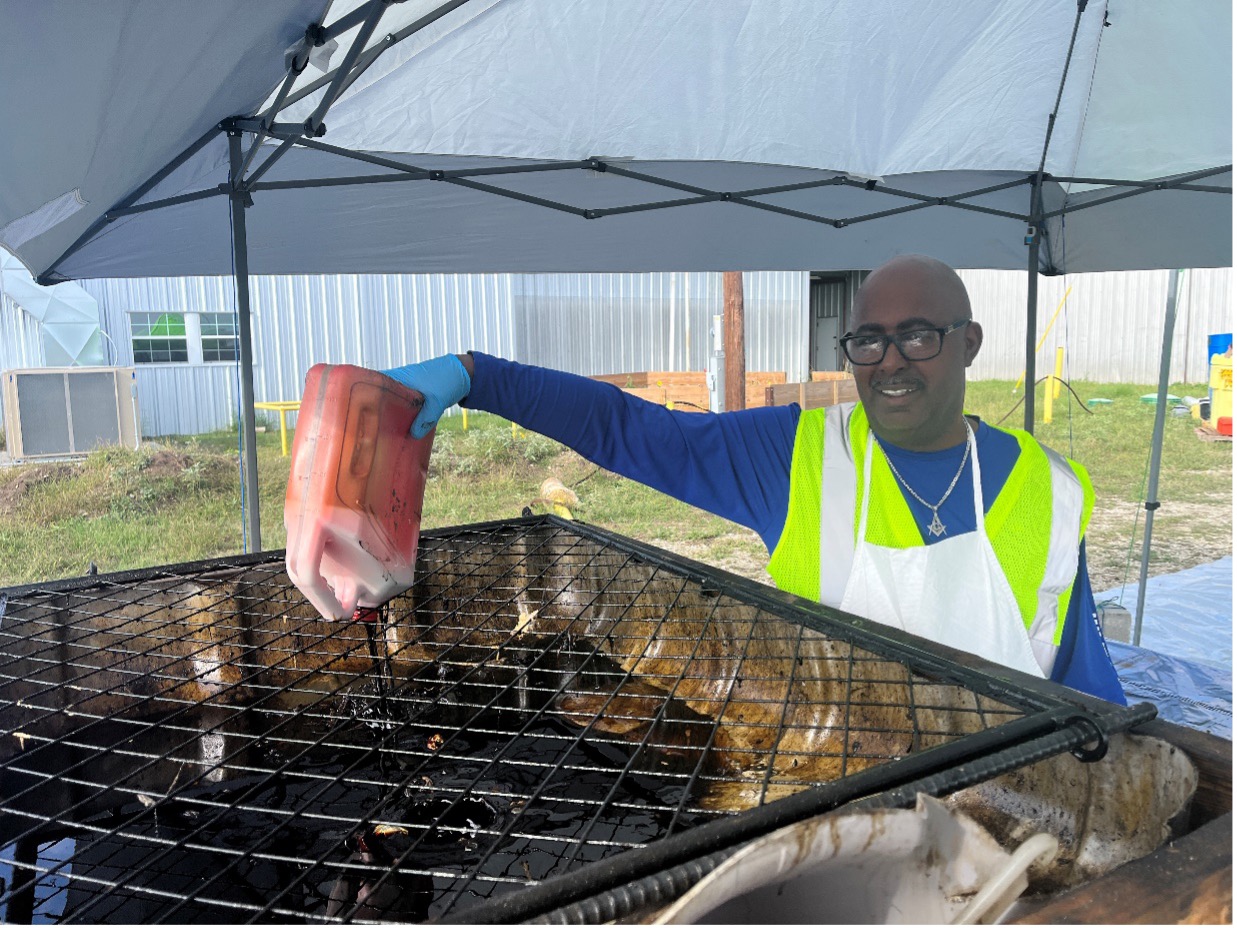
<point>194,744</point>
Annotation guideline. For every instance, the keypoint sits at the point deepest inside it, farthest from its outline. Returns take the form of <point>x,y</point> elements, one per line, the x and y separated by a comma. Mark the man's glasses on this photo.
<point>916,345</point>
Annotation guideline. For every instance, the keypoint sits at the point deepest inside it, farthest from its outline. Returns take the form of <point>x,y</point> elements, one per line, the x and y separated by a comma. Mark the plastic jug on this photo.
<point>353,508</point>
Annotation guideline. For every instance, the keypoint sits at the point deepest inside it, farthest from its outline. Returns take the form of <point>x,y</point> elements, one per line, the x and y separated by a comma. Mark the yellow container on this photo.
<point>1221,387</point>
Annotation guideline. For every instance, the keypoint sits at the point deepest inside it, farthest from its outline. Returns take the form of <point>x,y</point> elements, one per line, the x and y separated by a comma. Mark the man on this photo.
<point>898,508</point>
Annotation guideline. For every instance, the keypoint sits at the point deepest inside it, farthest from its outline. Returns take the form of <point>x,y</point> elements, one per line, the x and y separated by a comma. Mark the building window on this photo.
<point>159,338</point>
<point>219,337</point>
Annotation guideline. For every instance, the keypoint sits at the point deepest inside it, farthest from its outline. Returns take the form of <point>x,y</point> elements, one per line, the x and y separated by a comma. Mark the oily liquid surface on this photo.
<point>378,802</point>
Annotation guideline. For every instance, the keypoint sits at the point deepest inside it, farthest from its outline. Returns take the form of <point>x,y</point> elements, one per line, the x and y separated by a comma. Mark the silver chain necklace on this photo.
<point>936,527</point>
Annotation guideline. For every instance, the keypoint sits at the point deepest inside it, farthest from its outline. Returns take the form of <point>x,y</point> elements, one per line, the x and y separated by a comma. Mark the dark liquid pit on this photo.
<point>402,804</point>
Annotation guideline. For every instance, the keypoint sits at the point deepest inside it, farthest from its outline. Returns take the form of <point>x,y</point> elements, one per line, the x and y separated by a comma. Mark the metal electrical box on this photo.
<point>59,411</point>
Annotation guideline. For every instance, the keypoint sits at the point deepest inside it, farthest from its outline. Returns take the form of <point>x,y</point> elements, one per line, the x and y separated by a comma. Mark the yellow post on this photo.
<point>283,407</point>
<point>1056,385</point>
<point>515,430</point>
<point>1040,343</point>
<point>1049,387</point>
<point>464,413</point>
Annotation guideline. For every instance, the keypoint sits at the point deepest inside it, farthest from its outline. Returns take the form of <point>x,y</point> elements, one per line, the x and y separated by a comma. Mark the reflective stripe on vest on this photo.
<point>838,472</point>
<point>1035,529</point>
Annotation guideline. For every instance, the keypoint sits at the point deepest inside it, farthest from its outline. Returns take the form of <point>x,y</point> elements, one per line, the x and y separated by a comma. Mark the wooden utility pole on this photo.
<point>732,326</point>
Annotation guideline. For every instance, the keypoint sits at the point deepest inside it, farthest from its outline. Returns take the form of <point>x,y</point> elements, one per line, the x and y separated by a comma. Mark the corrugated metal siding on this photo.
<point>375,321</point>
<point>173,399</point>
<point>183,399</point>
<point>370,320</point>
<point>610,323</point>
<point>21,341</point>
<point>831,301</point>
<point>21,337</point>
<point>613,323</point>
<point>1112,324</point>
<point>778,322</point>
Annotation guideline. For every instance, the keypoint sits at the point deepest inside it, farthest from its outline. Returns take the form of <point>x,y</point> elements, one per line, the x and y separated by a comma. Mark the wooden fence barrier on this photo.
<point>687,390</point>
<point>827,388</point>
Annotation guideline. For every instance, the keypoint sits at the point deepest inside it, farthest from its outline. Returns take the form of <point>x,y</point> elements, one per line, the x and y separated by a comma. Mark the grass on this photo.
<point>1194,522</point>
<point>1114,441</point>
<point>178,499</point>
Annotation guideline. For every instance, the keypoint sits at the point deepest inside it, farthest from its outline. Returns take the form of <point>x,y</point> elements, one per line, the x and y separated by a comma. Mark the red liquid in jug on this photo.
<point>353,508</point>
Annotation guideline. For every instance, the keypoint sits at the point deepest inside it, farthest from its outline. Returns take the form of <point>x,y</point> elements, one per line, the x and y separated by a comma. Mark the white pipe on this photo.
<point>993,892</point>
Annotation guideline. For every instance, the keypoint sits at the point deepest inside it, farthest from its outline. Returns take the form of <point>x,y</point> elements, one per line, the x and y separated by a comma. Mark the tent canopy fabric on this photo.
<point>855,111</point>
<point>165,137</point>
<point>69,316</point>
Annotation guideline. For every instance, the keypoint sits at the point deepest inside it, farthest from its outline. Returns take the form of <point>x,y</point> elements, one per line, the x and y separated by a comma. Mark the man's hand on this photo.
<point>442,381</point>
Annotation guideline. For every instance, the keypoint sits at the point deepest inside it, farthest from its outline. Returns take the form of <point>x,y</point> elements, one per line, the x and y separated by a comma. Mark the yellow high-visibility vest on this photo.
<point>1035,523</point>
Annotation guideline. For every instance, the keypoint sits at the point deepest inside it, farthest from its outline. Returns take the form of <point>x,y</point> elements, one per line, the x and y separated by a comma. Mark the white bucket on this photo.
<point>931,865</point>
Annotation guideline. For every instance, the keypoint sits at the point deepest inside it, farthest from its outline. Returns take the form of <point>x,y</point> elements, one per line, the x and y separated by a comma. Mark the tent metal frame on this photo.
<point>240,189</point>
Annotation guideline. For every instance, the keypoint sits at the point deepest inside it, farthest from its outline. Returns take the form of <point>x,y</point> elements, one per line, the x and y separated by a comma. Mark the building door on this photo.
<point>827,298</point>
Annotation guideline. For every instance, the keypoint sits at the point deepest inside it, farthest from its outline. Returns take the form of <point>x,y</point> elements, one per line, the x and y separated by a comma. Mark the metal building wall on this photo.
<point>21,337</point>
<point>370,320</point>
<point>614,323</point>
<point>375,321</point>
<point>609,323</point>
<point>777,322</point>
<point>173,399</point>
<point>21,341</point>
<point>1112,324</point>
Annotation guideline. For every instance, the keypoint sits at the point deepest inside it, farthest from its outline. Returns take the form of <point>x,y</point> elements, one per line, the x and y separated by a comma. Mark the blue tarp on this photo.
<point>1185,662</point>
<point>1188,614</point>
<point>1191,693</point>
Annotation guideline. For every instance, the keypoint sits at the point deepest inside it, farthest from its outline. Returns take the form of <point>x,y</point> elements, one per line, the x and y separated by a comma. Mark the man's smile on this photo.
<point>896,388</point>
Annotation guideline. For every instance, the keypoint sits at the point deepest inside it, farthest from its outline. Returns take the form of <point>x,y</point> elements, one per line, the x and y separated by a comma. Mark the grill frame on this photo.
<point>1055,720</point>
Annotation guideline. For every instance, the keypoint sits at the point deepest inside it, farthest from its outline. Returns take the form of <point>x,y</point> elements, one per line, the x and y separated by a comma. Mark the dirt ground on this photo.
<point>741,553</point>
<point>12,492</point>
<point>1184,534</point>
<point>167,463</point>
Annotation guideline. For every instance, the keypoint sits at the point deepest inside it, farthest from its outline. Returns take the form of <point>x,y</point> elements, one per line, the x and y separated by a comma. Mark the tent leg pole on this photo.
<point>1157,443</point>
<point>1028,415</point>
<point>240,264</point>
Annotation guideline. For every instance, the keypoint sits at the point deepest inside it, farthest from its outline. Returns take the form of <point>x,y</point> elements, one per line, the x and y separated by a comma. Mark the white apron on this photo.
<point>953,592</point>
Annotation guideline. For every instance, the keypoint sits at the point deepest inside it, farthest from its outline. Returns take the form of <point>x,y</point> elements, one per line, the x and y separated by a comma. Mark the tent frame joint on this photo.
<point>316,35</point>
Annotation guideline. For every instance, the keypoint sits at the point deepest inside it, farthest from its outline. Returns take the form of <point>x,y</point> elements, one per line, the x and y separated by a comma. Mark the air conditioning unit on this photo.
<point>58,411</point>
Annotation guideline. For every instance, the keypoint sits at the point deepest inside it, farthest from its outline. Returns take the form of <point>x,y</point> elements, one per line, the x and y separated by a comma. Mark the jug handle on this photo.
<point>304,567</point>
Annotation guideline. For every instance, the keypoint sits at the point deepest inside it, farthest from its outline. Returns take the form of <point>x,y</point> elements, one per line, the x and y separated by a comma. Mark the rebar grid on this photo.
<point>197,744</point>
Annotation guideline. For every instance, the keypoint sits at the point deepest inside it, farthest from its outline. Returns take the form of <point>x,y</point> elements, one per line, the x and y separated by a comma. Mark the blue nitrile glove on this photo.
<point>442,381</point>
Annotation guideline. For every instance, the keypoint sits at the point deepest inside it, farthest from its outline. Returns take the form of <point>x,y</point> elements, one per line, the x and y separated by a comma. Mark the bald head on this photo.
<point>916,404</point>
<point>935,282</point>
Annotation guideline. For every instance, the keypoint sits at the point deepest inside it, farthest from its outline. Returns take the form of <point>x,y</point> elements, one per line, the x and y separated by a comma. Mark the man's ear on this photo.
<point>974,339</point>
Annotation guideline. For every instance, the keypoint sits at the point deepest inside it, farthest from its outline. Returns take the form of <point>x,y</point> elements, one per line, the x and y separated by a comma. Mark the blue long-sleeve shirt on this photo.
<point>737,465</point>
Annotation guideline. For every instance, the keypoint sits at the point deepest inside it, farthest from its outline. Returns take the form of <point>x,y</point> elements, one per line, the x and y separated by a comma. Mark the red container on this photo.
<point>1224,425</point>
<point>353,508</point>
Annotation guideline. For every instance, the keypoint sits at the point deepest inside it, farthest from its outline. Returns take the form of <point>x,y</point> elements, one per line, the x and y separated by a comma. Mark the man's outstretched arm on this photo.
<point>736,465</point>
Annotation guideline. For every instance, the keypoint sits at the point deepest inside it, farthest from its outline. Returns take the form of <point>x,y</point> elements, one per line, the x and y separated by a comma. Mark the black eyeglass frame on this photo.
<point>896,339</point>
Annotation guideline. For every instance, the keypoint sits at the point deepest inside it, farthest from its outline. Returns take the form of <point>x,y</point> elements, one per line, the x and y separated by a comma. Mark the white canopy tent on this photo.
<point>68,315</point>
<point>170,137</point>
